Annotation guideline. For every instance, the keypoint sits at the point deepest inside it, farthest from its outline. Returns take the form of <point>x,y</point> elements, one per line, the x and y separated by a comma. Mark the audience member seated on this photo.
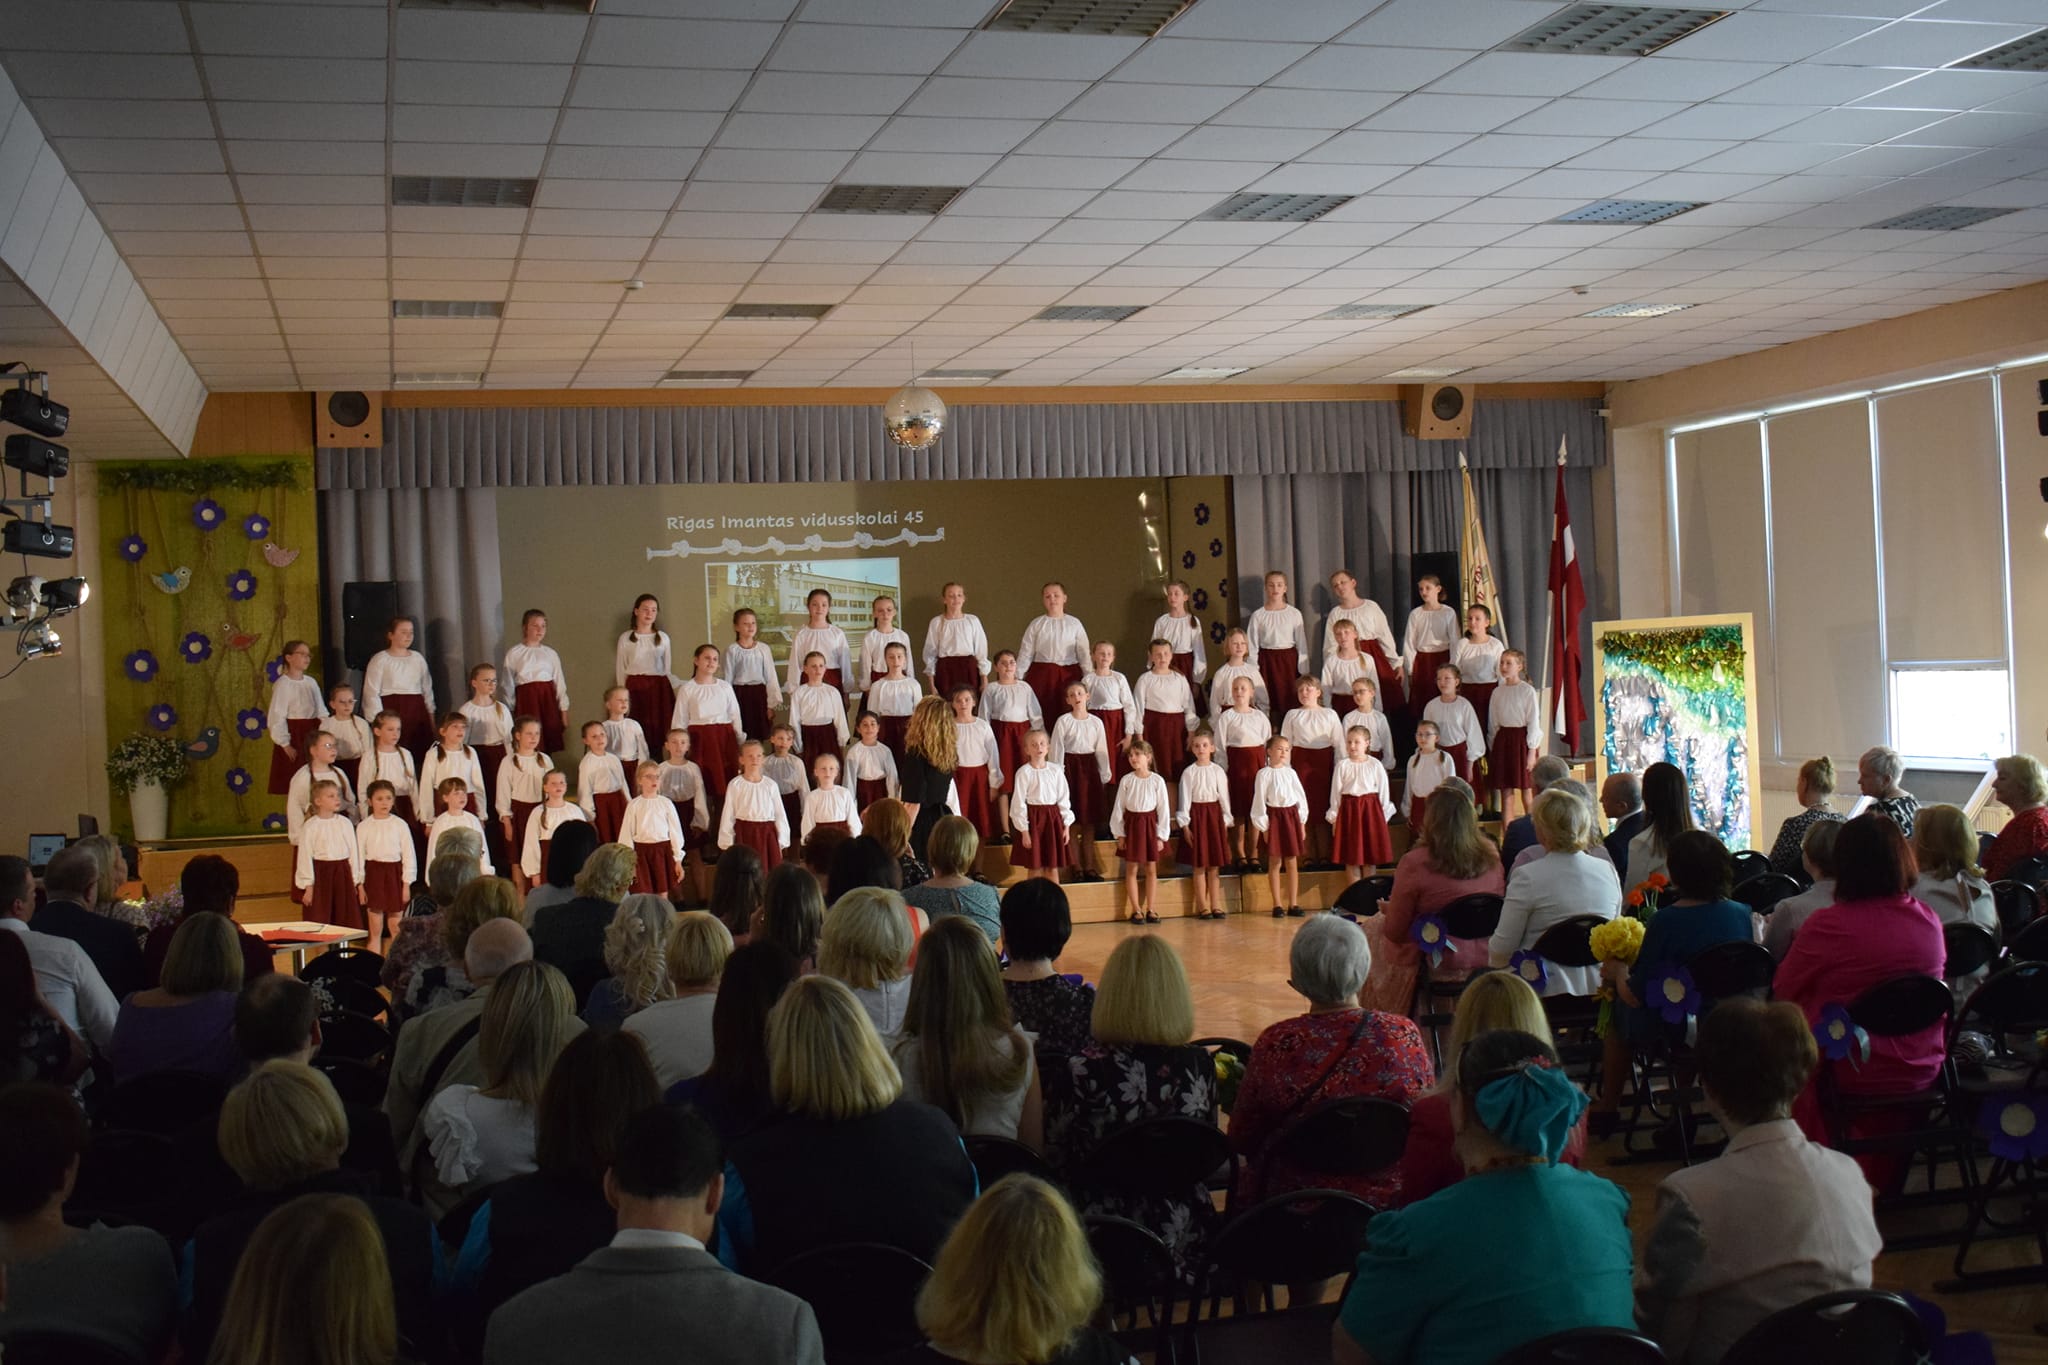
<point>479,1135</point>
<point>188,1022</point>
<point>1141,1064</point>
<point>570,938</point>
<point>1014,1284</point>
<point>791,914</point>
<point>420,947</point>
<point>1519,834</point>
<point>114,1286</point>
<point>1336,1051</point>
<point>68,982</point>
<point>1451,859</point>
<point>537,1226</point>
<point>677,1031</point>
<point>888,822</point>
<point>73,891</point>
<point>654,1293</point>
<point>1815,786</point>
<point>441,1048</point>
<point>845,1158</point>
<point>35,1042</point>
<point>1430,1162</point>
<point>1771,1222</point>
<point>734,1093</point>
<point>209,885</point>
<point>110,859</point>
<point>312,1287</point>
<point>636,955</point>
<point>440,977</point>
<point>862,861</point>
<point>1667,813</point>
<point>283,1131</point>
<point>869,937</point>
<point>1950,882</point>
<point>1522,1248</point>
<point>1595,846</point>
<point>1621,800</point>
<point>820,849</point>
<point>958,1048</point>
<point>1817,856</point>
<point>1873,932</point>
<point>569,848</point>
<point>1877,776</point>
<point>1563,882</point>
<point>737,885</point>
<point>278,1016</point>
<point>2022,788</point>
<point>950,890</point>
<point>1055,1011</point>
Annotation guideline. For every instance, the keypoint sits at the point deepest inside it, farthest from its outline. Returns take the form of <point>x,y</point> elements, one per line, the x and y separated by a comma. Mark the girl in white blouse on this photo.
<point>1375,635</point>
<point>644,666</point>
<point>296,711</point>
<point>321,766</point>
<point>1358,809</point>
<point>521,786</point>
<point>397,680</point>
<point>351,732</point>
<point>817,710</point>
<point>682,782</point>
<point>600,784</point>
<point>1110,701</point>
<point>387,761</point>
<point>540,687</point>
<point>783,766</point>
<point>623,737</point>
<point>1476,656</point>
<point>1166,704</point>
<point>1182,631</point>
<point>893,696</point>
<point>709,709</point>
<point>828,803</point>
<point>753,813</point>
<point>389,865</point>
<point>1242,730</point>
<point>1081,749</point>
<point>1279,638</point>
<point>870,766</point>
<point>453,794</point>
<point>1204,819</point>
<point>750,670</point>
<point>1514,737</point>
<point>955,646</point>
<point>554,811</point>
<point>978,770</point>
<point>1280,811</point>
<point>1012,711</point>
<point>1458,731</point>
<point>490,724</point>
<point>1140,822</point>
<point>453,757</point>
<point>1344,665</point>
<point>655,834</point>
<point>820,635</point>
<point>1054,650</point>
<point>1041,811</point>
<point>1365,715</point>
<point>1237,663</point>
<point>329,869</point>
<point>1432,630</point>
<point>874,661</point>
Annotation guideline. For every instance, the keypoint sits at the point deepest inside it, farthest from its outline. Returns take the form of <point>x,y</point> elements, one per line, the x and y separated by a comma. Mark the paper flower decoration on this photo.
<point>1218,631</point>
<point>274,823</point>
<point>1839,1035</point>
<point>2016,1126</point>
<point>1223,588</point>
<point>256,526</point>
<point>162,716</point>
<point>274,669</point>
<point>1201,514</point>
<point>1215,549</point>
<point>1434,938</point>
<point>133,548</point>
<point>241,585</point>
<point>250,723</point>
<point>1529,966</point>
<point>195,648</point>
<point>1187,559</point>
<point>1199,599</point>
<point>139,666</point>
<point>238,780</point>
<point>1673,995</point>
<point>207,514</point>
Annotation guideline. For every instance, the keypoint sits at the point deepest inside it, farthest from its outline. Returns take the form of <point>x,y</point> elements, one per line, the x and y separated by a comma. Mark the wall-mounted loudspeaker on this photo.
<point>366,612</point>
<point>1437,412</point>
<point>348,419</point>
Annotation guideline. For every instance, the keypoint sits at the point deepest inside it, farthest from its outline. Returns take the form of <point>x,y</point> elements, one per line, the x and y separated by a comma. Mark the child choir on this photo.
<point>1056,746</point>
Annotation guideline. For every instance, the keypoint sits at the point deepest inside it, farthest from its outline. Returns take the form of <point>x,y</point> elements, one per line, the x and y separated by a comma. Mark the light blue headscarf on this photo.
<point>1532,1109</point>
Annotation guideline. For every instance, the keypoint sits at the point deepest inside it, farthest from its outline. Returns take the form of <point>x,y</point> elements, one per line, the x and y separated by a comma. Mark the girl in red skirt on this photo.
<point>955,646</point>
<point>1041,811</point>
<point>1428,768</point>
<point>753,816</point>
<point>1515,737</point>
<point>321,766</point>
<point>329,876</point>
<point>1315,736</point>
<point>1237,663</point>
<point>1280,811</point>
<point>1344,665</point>
<point>1476,656</point>
<point>539,686</point>
<point>1082,752</point>
<point>351,732</point>
<point>1204,819</point>
<point>829,805</point>
<point>1457,724</point>
<point>1012,711</point>
<point>1167,704</point>
<point>296,710</point>
<point>396,679</point>
<point>870,766</point>
<point>1053,651</point>
<point>750,668</point>
<point>682,782</point>
<point>1426,646</point>
<point>1182,631</point>
<point>453,794</point>
<point>1364,715</point>
<point>387,761</point>
<point>1358,814</point>
<point>650,828</point>
<point>817,710</point>
<point>554,811</point>
<point>600,784</point>
<point>976,771</point>
<point>1279,639</point>
<point>645,667</point>
<point>709,709</point>
<point>892,697</point>
<point>522,786</point>
<point>783,766</point>
<point>389,870</point>
<point>1110,701</point>
<point>1139,823</point>
<point>1242,730</point>
<point>490,723</point>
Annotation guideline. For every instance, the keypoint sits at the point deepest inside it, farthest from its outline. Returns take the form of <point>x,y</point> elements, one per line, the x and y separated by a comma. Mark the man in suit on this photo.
<point>655,1292</point>
<point>72,884</point>
<point>1621,800</point>
<point>419,1067</point>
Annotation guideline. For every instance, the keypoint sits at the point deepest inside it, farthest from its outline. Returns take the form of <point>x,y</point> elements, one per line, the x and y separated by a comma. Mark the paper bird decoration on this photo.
<point>236,637</point>
<point>276,556</point>
<point>172,581</point>
<point>206,745</point>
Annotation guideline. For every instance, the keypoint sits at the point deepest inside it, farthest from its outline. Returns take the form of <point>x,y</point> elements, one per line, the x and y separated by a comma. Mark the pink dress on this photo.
<point>1420,889</point>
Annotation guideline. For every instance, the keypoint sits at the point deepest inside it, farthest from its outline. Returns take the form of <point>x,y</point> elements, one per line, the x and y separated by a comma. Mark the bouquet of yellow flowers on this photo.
<point>1229,1075</point>
<point>1618,940</point>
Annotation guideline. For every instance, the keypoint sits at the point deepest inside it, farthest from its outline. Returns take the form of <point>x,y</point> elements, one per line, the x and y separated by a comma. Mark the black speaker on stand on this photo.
<point>1443,563</point>
<point>366,611</point>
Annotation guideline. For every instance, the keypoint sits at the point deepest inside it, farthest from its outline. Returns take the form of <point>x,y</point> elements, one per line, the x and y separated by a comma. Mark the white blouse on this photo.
<point>682,782</point>
<point>1477,661</point>
<point>541,827</point>
<point>960,637</point>
<point>1379,736</point>
<point>1357,777</point>
<point>327,839</point>
<point>298,801</point>
<point>829,804</point>
<point>974,744</point>
<point>1184,633</point>
<point>521,778</point>
<point>652,820</point>
<point>1456,721</point>
<point>1141,796</point>
<point>707,703</point>
<point>1202,783</point>
<point>1041,786</point>
<point>439,765</point>
<point>1277,789</point>
<point>753,666</point>
<point>874,645</point>
<point>1431,630</point>
<point>1279,628</point>
<point>387,839</point>
<point>788,772</point>
<point>1166,692</point>
<point>597,774</point>
<point>1219,689</point>
<point>1320,728</point>
<point>894,696</point>
<point>1061,640</point>
<point>1241,729</point>
<point>759,801</point>
<point>1513,705</point>
<point>396,675</point>
<point>644,656</point>
<point>828,640</point>
<point>490,724</point>
<point>1111,691</point>
<point>352,737</point>
<point>817,704</point>
<point>537,663</point>
<point>293,699</point>
<point>871,763</point>
<point>1013,701</point>
<point>1081,735</point>
<point>1372,625</point>
<point>394,767</point>
<point>1427,772</point>
<point>477,1140</point>
<point>1339,673</point>
<point>448,820</point>
<point>626,740</point>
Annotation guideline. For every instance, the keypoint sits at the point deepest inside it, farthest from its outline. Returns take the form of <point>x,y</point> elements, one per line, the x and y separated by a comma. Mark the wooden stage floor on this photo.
<point>1239,970</point>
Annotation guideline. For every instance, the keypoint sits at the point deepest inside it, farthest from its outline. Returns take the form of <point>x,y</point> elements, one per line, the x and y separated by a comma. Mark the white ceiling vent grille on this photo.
<point>1275,208</point>
<point>1088,312</point>
<point>1632,211</point>
<point>1360,312</point>
<point>1612,30</point>
<point>2021,54</point>
<point>1094,18</point>
<point>904,199</point>
<point>1941,218</point>
<point>461,192</point>
<point>447,308</point>
<point>777,312</point>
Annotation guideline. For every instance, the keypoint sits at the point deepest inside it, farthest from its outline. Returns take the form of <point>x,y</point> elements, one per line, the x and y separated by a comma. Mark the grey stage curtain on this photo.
<point>441,547</point>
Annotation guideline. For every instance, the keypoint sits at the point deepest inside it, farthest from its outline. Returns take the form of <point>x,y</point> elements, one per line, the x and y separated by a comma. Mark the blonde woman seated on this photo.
<point>950,890</point>
<point>312,1289</point>
<point>1564,883</point>
<point>187,1023</point>
<point>845,1157</point>
<point>479,1135</point>
<point>677,1031</point>
<point>1950,882</point>
<point>958,1048</point>
<point>867,944</point>
<point>1015,1284</point>
<point>636,951</point>
<point>1816,785</point>
<point>1450,860</point>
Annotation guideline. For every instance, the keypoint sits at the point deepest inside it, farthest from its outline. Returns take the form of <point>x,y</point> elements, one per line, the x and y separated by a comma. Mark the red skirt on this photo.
<point>1423,678</point>
<point>1393,697</point>
<point>893,731</point>
<point>1243,763</point>
<point>976,803</point>
<point>1507,762</point>
<point>522,811</point>
<point>1184,664</point>
<point>1315,768</point>
<point>869,790</point>
<point>1085,790</point>
<point>834,680</point>
<point>1361,835</point>
<point>1049,681</point>
<point>331,899</point>
<point>1010,746</point>
<point>651,701</point>
<point>717,751</point>
<point>281,767</point>
<point>609,812</point>
<point>844,827</point>
<point>1048,840</point>
<point>755,717</point>
<point>415,723</point>
<point>385,885</point>
<point>1342,704</point>
<point>403,808</point>
<point>1279,668</point>
<point>793,811</point>
<point>488,757</point>
<point>1204,843</point>
<point>1283,832</point>
<point>1460,763</point>
<point>686,816</point>
<point>654,867</point>
<point>1141,842</point>
<point>1113,734</point>
<point>537,699</point>
<point>820,739</point>
<point>1481,696</point>
<point>955,671</point>
<point>759,835</point>
<point>1415,817</point>
<point>1167,733</point>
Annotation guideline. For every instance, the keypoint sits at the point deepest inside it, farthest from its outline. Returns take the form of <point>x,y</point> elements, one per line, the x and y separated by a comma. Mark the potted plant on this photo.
<point>144,768</point>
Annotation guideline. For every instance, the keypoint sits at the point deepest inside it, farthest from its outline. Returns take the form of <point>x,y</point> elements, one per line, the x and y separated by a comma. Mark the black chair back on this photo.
<point>354,1036</point>
<point>62,1348</point>
<point>1362,898</point>
<point>1853,1327</point>
<point>1355,1136</point>
<point>345,996</point>
<point>2031,943</point>
<point>1137,1273</point>
<point>131,1176</point>
<point>164,1102</point>
<point>1749,865</point>
<point>996,1157</point>
<point>1294,1238</point>
<point>1969,947</point>
<point>2012,1001</point>
<point>1474,916</point>
<point>1727,970</point>
<point>864,1295</point>
<point>1902,1005</point>
<point>359,965</point>
<point>356,1082</point>
<point>1587,1346</point>
<point>1155,1158</point>
<point>2033,871</point>
<point>1570,943</point>
<point>2018,905</point>
<point>1236,1047</point>
<point>1763,893</point>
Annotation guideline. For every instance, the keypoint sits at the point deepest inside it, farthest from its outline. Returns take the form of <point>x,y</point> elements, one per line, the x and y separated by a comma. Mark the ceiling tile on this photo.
<point>700,43</point>
<point>1476,25</point>
<point>488,83</point>
<point>424,158</point>
<point>1672,78</point>
<point>160,155</point>
<point>1921,43</point>
<point>557,193</point>
<point>1510,149</point>
<point>156,189</point>
<point>1062,137</point>
<point>621,163</point>
<point>487,36</point>
<point>781,92</point>
<point>123,118</point>
<point>1060,172</point>
<point>336,81</point>
<point>1788,37</point>
<point>448,123</point>
<point>839,48</point>
<point>1954,89</point>
<point>1529,73</point>
<point>1355,68</point>
<point>108,76</point>
<point>1389,149</point>
<point>633,128</point>
<point>1327,109</point>
<point>1210,61</point>
<point>302,122</point>
<point>625,87</point>
<point>287,31</point>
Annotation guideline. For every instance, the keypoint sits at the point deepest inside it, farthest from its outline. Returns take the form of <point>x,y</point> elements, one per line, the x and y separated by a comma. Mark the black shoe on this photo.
<point>1295,912</point>
<point>1151,918</point>
<point>1279,912</point>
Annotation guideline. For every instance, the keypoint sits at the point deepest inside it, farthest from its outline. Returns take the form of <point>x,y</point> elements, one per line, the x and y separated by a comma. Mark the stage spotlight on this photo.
<point>66,595</point>
<point>38,640</point>
<point>39,538</point>
<point>32,455</point>
<point>23,594</point>
<point>36,412</point>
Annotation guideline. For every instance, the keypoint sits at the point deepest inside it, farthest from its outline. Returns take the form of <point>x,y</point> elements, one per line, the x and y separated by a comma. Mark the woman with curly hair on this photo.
<point>930,753</point>
<point>636,951</point>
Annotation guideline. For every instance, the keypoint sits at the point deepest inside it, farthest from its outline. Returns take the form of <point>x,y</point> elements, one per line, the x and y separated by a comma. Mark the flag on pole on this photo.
<point>1567,607</point>
<point>1475,566</point>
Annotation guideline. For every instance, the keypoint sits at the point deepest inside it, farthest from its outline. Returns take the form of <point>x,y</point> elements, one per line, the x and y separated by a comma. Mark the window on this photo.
<point>1946,711</point>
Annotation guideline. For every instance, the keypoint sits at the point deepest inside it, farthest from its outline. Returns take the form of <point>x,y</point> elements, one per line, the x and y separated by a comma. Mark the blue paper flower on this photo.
<point>1674,995</point>
<point>2015,1125</point>
<point>139,666</point>
<point>162,716</point>
<point>1223,588</point>
<point>1839,1035</point>
<point>1216,549</point>
<point>196,648</point>
<point>1432,935</point>
<point>250,723</point>
<point>274,669</point>
<point>1199,599</point>
<point>1187,559</point>
<point>1529,966</point>
<point>256,526</point>
<point>207,514</point>
<point>133,547</point>
<point>274,823</point>
<point>238,780</point>
<point>1218,631</point>
<point>1201,514</point>
<point>241,585</point>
